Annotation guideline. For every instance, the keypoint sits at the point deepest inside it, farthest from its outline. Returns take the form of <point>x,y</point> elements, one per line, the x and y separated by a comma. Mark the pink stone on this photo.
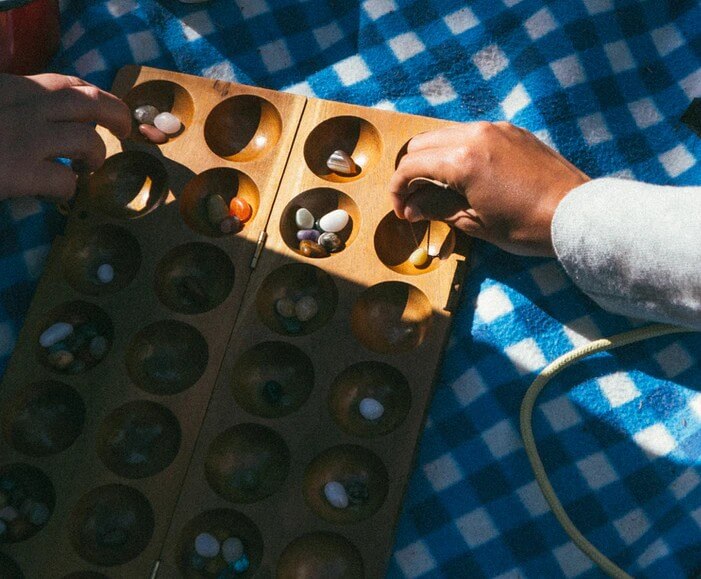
<point>153,134</point>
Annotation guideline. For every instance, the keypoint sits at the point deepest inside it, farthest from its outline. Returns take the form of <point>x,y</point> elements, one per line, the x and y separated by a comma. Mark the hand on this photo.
<point>512,181</point>
<point>48,116</point>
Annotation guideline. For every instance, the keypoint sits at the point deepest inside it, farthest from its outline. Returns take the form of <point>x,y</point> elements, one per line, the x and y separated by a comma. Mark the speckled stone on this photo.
<point>206,545</point>
<point>285,307</point>
<point>306,308</point>
<point>336,494</point>
<point>145,114</point>
<point>330,242</point>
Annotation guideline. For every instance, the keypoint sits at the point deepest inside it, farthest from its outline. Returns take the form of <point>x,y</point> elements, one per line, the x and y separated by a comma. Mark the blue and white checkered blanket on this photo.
<point>602,81</point>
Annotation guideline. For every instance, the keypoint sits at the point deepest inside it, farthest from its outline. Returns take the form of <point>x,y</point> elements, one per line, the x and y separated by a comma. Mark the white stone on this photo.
<point>336,494</point>
<point>105,273</point>
<point>206,545</point>
<point>232,549</point>
<point>285,307</point>
<point>341,162</point>
<point>54,334</point>
<point>304,218</point>
<point>434,250</point>
<point>168,123</point>
<point>306,308</point>
<point>334,221</point>
<point>371,409</point>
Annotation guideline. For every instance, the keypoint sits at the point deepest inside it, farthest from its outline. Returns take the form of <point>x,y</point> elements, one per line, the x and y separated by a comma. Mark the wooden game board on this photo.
<point>380,332</point>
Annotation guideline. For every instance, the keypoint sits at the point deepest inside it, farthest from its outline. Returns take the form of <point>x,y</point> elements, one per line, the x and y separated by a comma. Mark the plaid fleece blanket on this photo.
<point>605,82</point>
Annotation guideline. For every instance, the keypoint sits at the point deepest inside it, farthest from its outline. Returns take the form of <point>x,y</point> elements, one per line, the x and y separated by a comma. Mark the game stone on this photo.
<point>153,134</point>
<point>145,114</point>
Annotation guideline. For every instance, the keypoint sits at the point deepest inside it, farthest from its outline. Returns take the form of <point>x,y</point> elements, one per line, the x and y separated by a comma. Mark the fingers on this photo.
<point>456,135</point>
<point>443,205</point>
<point>430,139</point>
<point>434,204</point>
<point>52,180</point>
<point>88,104</point>
<point>76,141</point>
<point>52,81</point>
<point>441,164</point>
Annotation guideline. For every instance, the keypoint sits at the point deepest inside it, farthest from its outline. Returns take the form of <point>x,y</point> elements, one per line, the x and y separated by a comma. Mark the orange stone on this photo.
<point>240,208</point>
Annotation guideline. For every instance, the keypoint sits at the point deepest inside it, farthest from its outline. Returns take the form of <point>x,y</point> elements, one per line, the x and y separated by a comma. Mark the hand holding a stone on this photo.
<point>48,116</point>
<point>512,180</point>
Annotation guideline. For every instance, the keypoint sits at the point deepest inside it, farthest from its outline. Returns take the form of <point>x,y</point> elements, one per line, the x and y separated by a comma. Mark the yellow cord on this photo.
<point>527,405</point>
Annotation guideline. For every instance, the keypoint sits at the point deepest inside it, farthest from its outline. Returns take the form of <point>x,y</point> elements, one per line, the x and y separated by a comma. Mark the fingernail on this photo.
<point>413,215</point>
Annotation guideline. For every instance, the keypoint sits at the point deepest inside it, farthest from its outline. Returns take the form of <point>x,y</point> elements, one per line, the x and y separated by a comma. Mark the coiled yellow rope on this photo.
<point>527,405</point>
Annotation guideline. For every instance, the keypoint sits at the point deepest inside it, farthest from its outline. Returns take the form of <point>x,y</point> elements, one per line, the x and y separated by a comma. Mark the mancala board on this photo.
<point>210,412</point>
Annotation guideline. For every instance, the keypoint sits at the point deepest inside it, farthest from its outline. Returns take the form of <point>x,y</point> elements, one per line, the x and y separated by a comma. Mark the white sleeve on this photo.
<point>634,248</point>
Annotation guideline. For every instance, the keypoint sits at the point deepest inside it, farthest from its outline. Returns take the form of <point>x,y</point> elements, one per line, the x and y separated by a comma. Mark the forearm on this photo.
<point>634,248</point>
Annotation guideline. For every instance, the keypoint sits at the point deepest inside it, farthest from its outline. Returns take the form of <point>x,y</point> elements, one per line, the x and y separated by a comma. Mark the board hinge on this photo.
<point>456,287</point>
<point>262,237</point>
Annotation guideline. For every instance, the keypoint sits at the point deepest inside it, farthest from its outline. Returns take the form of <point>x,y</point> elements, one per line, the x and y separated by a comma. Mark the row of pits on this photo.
<point>132,184</point>
<point>111,524</point>
<point>244,128</point>
<point>390,317</point>
<point>47,417</point>
<point>316,554</point>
